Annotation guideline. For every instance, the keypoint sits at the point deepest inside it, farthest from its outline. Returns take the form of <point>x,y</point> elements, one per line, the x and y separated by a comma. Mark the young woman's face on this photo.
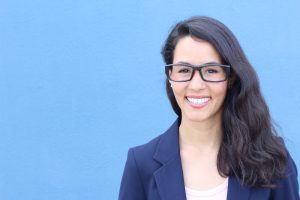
<point>198,100</point>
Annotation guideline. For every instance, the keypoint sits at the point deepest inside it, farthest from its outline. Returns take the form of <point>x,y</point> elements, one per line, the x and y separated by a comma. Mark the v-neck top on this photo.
<point>217,193</point>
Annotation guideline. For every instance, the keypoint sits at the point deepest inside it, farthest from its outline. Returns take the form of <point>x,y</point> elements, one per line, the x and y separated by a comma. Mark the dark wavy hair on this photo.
<point>250,149</point>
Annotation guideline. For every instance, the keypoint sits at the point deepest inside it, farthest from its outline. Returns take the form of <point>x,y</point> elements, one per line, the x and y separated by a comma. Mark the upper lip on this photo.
<point>197,97</point>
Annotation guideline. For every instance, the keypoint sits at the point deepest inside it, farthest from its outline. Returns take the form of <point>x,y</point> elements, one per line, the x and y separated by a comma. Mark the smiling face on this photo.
<point>198,100</point>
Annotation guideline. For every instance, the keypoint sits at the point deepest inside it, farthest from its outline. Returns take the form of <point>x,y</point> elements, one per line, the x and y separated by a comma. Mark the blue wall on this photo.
<point>81,81</point>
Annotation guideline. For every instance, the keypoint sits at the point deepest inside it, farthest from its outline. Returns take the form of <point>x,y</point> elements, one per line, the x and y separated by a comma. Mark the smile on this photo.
<point>198,100</point>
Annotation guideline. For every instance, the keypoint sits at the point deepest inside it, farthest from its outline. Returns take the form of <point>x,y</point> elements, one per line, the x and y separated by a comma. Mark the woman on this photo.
<point>223,144</point>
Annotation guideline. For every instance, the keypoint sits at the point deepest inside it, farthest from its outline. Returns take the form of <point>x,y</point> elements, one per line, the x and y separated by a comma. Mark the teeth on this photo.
<point>198,101</point>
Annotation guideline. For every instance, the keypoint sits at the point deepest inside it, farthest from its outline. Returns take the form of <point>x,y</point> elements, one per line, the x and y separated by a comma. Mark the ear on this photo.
<point>170,83</point>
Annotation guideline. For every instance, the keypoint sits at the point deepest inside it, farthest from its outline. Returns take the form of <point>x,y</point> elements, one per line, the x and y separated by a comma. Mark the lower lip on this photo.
<point>194,105</point>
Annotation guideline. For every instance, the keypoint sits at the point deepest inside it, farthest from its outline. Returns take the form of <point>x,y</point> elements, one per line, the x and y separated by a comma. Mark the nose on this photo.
<point>197,82</point>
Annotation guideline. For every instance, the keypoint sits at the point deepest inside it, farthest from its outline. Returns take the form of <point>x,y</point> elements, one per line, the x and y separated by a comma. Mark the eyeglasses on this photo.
<point>210,72</point>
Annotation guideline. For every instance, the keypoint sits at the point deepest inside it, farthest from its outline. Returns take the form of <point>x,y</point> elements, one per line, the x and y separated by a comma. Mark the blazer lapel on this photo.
<point>237,191</point>
<point>169,177</point>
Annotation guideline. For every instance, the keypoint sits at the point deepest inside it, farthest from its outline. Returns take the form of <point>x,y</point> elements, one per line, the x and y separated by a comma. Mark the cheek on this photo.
<point>179,91</point>
<point>221,92</point>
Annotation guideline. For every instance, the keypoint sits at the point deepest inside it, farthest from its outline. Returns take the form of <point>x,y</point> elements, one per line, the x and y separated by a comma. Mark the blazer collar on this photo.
<point>168,146</point>
<point>169,177</point>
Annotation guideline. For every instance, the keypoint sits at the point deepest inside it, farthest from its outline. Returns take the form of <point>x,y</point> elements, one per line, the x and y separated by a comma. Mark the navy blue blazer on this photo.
<point>153,171</point>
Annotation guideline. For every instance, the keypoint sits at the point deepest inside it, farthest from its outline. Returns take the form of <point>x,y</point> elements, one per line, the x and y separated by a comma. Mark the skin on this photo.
<point>200,132</point>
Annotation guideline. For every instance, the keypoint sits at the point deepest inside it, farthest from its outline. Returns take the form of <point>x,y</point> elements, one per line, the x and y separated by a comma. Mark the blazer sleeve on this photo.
<point>288,187</point>
<point>131,185</point>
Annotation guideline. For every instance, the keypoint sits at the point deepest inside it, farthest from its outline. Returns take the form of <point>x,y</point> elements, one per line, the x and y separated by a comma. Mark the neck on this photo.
<point>205,135</point>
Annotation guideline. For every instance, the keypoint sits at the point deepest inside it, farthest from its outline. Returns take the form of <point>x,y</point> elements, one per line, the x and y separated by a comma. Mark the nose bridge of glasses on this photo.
<point>197,75</point>
<point>198,71</point>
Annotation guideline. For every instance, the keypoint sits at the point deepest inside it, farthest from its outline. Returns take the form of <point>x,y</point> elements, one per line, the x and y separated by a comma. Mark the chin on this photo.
<point>195,117</point>
<point>201,116</point>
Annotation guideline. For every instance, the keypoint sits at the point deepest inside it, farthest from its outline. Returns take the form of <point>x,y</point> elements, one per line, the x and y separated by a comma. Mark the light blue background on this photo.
<point>81,81</point>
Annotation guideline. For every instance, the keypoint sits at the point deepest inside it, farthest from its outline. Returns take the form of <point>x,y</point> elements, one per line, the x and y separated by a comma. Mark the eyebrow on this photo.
<point>182,62</point>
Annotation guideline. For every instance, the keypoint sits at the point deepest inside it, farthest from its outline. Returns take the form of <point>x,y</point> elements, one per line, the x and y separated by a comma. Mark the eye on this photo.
<point>211,71</point>
<point>184,70</point>
<point>181,69</point>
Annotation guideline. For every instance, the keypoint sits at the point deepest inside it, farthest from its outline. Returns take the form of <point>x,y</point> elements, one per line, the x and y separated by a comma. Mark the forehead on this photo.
<point>195,51</point>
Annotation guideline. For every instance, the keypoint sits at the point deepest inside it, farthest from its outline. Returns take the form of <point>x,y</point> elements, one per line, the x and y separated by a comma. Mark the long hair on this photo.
<point>250,149</point>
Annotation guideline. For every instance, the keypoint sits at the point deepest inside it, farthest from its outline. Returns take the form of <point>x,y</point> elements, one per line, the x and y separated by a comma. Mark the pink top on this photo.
<point>217,193</point>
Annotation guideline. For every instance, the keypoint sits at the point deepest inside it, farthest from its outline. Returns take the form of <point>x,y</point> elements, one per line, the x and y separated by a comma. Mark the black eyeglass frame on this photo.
<point>198,68</point>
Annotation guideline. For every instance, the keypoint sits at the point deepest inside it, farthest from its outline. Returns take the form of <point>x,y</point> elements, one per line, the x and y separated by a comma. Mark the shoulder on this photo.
<point>141,164</point>
<point>287,187</point>
<point>146,149</point>
<point>290,169</point>
<point>143,155</point>
<point>160,147</point>
<point>149,156</point>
